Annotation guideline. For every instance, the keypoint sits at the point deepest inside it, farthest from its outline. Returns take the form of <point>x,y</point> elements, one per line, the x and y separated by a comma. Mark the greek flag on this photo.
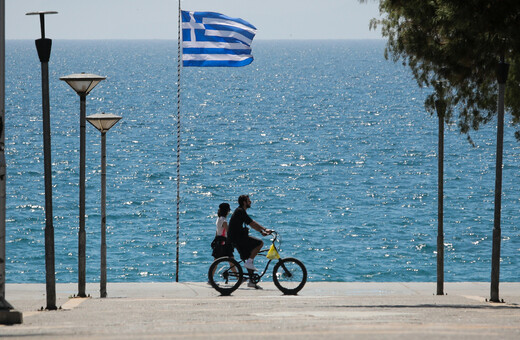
<point>213,39</point>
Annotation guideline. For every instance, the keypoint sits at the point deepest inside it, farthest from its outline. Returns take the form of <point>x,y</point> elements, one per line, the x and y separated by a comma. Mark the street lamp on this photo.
<point>82,83</point>
<point>103,122</point>
<point>502,73</point>
<point>43,46</point>
<point>8,315</point>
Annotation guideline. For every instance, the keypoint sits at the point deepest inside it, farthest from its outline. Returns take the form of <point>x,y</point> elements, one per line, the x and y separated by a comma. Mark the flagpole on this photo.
<point>178,140</point>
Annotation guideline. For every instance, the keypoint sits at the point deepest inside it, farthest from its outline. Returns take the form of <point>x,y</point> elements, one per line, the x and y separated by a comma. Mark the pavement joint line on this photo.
<point>27,314</point>
<point>413,291</point>
<point>73,303</point>
<point>69,305</point>
<point>187,285</point>
<point>475,298</point>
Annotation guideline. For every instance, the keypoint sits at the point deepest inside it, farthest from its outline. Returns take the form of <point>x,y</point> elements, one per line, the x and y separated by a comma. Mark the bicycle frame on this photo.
<point>249,274</point>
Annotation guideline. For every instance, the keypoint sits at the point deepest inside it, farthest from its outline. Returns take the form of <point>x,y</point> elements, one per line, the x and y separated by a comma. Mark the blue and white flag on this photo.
<point>213,39</point>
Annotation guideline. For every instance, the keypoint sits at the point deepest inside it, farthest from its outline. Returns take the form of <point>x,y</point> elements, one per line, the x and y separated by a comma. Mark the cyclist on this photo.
<point>247,246</point>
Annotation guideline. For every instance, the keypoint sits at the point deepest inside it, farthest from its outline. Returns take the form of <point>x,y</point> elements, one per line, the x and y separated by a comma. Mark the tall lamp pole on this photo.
<point>8,315</point>
<point>82,83</point>
<point>103,122</point>
<point>441,109</point>
<point>43,46</point>
<point>502,72</point>
<point>441,105</point>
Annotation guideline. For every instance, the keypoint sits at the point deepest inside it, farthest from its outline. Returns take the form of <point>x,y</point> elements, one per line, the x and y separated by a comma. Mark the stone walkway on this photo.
<point>331,309</point>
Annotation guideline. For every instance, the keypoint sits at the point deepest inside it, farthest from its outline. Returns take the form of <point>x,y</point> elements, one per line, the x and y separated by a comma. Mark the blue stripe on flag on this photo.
<point>200,35</point>
<point>186,36</point>
<point>215,27</point>
<point>199,16</point>
<point>194,50</point>
<point>185,16</point>
<point>217,63</point>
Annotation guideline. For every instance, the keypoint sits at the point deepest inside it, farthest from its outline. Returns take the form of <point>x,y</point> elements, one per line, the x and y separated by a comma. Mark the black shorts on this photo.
<point>221,247</point>
<point>245,245</point>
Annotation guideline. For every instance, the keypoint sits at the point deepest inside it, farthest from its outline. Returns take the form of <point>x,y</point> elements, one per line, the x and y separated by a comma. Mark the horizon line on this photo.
<point>167,39</point>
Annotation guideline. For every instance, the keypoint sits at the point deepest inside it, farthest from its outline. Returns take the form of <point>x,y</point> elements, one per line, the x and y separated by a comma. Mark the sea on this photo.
<point>330,140</point>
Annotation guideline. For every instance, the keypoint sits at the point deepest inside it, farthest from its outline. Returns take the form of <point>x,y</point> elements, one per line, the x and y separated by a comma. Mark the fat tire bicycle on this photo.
<point>289,274</point>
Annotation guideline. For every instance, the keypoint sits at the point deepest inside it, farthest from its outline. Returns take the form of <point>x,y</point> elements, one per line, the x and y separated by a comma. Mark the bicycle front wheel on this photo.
<point>225,275</point>
<point>289,275</point>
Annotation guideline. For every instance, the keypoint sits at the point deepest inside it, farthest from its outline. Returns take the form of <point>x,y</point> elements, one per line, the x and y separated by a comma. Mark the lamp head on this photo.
<point>42,19</point>
<point>103,121</point>
<point>82,83</point>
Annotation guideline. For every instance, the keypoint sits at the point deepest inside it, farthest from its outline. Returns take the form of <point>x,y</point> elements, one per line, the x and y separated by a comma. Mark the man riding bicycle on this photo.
<point>238,234</point>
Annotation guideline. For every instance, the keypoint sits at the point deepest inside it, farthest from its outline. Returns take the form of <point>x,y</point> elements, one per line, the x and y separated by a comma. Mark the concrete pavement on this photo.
<point>332,309</point>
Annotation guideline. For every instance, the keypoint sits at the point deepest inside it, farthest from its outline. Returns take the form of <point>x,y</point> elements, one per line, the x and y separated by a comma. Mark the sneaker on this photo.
<point>253,285</point>
<point>249,265</point>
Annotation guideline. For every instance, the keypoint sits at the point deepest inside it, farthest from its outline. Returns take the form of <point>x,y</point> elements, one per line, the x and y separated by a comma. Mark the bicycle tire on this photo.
<point>289,275</point>
<point>222,277</point>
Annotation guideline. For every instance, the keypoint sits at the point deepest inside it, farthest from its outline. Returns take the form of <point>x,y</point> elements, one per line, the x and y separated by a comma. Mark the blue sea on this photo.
<point>330,140</point>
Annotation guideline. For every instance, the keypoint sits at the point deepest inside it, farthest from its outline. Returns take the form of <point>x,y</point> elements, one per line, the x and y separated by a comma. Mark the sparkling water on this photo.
<point>330,140</point>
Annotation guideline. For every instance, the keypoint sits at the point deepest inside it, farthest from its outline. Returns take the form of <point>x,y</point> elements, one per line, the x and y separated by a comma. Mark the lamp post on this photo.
<point>7,313</point>
<point>440,106</point>
<point>43,46</point>
<point>103,122</point>
<point>502,72</point>
<point>82,83</point>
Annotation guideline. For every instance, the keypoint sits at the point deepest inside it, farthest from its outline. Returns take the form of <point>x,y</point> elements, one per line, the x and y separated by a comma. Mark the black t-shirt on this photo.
<point>237,229</point>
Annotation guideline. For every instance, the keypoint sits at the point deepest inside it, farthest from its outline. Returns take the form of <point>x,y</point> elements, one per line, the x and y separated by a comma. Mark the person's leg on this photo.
<point>256,250</point>
<point>233,268</point>
<point>255,245</point>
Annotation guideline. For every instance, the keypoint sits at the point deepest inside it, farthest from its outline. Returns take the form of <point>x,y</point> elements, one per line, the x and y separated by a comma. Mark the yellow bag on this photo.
<point>272,254</point>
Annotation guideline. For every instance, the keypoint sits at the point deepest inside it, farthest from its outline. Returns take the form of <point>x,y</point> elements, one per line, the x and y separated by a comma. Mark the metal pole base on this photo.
<point>8,315</point>
<point>497,301</point>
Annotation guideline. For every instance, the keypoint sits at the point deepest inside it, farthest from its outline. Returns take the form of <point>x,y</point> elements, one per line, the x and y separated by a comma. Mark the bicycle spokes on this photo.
<point>289,275</point>
<point>287,269</point>
<point>224,274</point>
<point>286,272</point>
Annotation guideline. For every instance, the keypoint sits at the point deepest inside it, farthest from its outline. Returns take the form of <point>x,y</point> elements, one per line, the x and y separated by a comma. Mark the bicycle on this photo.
<point>289,274</point>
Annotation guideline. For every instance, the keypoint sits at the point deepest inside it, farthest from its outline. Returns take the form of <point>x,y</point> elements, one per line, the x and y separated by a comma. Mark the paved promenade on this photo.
<point>334,310</point>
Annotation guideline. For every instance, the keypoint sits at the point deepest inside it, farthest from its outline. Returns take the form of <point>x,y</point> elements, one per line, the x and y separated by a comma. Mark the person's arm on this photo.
<point>225,226</point>
<point>256,226</point>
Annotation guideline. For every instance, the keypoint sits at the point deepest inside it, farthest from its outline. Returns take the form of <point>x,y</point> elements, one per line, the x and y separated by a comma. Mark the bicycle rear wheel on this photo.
<point>225,275</point>
<point>289,275</point>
